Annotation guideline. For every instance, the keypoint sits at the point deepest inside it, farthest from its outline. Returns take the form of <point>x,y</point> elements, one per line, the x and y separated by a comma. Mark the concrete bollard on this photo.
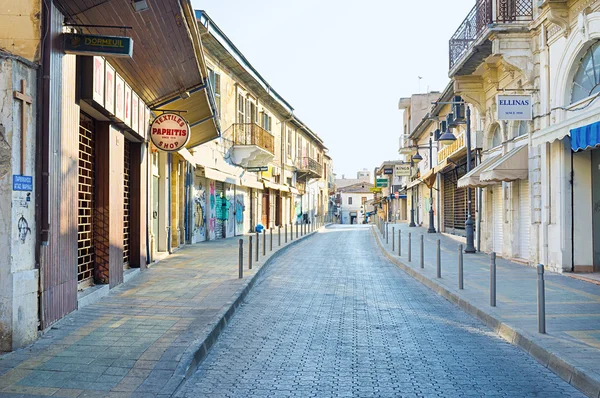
<point>541,299</point>
<point>264,242</point>
<point>493,279</point>
<point>422,253</point>
<point>250,252</point>
<point>409,248</point>
<point>279,236</point>
<point>241,262</point>
<point>460,267</point>
<point>439,260</point>
<point>393,239</point>
<point>257,246</point>
<point>271,242</point>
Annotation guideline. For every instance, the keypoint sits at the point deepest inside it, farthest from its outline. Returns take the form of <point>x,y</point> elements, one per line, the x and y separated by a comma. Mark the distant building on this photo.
<point>353,200</point>
<point>362,176</point>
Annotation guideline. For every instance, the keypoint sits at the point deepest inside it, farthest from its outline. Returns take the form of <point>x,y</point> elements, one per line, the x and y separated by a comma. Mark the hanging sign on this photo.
<point>402,170</point>
<point>388,171</point>
<point>381,183</point>
<point>515,107</point>
<point>257,169</point>
<point>114,46</point>
<point>170,132</point>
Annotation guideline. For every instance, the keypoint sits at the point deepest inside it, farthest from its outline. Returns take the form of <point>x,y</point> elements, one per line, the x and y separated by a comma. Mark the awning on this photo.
<point>294,191</point>
<point>560,130</point>
<point>186,155</point>
<point>443,167</point>
<point>277,187</point>
<point>510,167</point>
<point>250,183</point>
<point>429,178</point>
<point>585,137</point>
<point>220,176</point>
<point>472,178</point>
<point>413,183</point>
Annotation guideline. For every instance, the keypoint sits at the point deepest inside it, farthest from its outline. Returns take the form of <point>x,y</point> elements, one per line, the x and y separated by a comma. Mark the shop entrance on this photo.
<point>266,206</point>
<point>86,198</point>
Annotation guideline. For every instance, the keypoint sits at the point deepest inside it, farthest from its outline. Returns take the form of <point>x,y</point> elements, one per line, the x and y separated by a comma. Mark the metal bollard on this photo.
<point>241,262</point>
<point>271,243</point>
<point>393,239</point>
<point>296,230</point>
<point>279,236</point>
<point>541,299</point>
<point>422,254</point>
<point>257,246</point>
<point>399,243</point>
<point>250,252</point>
<point>285,232</point>
<point>439,260</point>
<point>460,267</point>
<point>264,242</point>
<point>387,234</point>
<point>409,248</point>
<point>493,279</point>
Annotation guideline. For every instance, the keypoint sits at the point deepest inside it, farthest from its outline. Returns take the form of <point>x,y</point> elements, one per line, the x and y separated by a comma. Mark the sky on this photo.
<point>344,64</point>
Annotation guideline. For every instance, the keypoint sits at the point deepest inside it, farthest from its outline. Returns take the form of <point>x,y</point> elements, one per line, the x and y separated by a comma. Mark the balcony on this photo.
<point>308,168</point>
<point>470,44</point>
<point>253,146</point>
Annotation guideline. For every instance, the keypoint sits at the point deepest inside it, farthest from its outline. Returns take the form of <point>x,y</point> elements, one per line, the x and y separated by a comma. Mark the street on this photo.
<point>333,317</point>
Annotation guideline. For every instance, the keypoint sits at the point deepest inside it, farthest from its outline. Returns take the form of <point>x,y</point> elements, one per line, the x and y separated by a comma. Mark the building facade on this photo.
<point>353,203</point>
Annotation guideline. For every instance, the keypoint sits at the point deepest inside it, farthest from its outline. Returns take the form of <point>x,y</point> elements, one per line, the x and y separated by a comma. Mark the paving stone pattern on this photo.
<point>333,318</point>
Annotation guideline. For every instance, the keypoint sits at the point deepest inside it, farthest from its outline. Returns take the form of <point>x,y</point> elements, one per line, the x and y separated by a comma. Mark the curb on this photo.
<point>193,356</point>
<point>573,375</point>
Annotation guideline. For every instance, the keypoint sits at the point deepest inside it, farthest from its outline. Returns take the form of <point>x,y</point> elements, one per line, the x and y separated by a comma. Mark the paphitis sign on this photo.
<point>170,132</point>
<point>514,107</point>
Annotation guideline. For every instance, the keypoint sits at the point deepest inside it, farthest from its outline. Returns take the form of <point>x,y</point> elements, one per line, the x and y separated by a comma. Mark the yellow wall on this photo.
<point>20,24</point>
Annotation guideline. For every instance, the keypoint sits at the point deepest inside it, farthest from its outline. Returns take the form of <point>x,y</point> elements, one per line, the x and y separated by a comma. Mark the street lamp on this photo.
<point>431,228</point>
<point>416,157</point>
<point>412,194</point>
<point>453,122</point>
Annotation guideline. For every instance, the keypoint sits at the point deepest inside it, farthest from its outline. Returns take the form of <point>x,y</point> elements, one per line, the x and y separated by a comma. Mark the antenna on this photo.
<point>420,77</point>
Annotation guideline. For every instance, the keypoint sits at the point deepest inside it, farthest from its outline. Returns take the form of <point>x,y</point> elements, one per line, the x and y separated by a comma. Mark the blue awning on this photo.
<point>585,137</point>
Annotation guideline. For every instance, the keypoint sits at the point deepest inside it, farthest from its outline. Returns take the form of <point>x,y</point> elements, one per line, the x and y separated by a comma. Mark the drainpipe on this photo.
<point>572,182</point>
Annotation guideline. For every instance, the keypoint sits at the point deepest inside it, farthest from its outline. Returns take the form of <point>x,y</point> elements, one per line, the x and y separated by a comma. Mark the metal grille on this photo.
<point>126,202</point>
<point>86,187</point>
<point>220,223</point>
<point>455,202</point>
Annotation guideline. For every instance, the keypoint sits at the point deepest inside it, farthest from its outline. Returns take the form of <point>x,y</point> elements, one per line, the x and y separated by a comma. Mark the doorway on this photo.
<point>266,207</point>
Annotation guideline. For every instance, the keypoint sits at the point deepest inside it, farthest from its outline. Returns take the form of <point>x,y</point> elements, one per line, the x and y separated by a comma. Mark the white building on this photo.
<point>352,200</point>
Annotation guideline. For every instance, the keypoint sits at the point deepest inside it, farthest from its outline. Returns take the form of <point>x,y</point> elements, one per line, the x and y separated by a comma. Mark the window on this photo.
<point>299,147</point>
<point>241,109</point>
<point>214,80</point>
<point>364,200</point>
<point>289,144</point>
<point>523,128</point>
<point>349,200</point>
<point>587,78</point>
<point>496,137</point>
<point>266,121</point>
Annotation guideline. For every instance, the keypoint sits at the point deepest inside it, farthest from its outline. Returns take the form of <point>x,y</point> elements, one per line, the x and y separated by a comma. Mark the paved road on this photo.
<point>333,318</point>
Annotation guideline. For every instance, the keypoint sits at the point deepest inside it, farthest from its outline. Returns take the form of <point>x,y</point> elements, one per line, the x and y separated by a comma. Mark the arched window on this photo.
<point>496,137</point>
<point>523,128</point>
<point>587,78</point>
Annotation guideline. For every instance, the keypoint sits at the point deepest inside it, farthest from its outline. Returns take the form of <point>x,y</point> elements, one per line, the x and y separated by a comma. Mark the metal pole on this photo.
<point>264,242</point>
<point>460,267</point>
<point>422,254</point>
<point>492,279</point>
<point>431,228</point>
<point>279,236</point>
<point>271,243</point>
<point>439,259</point>
<point>250,252</point>
<point>296,230</point>
<point>393,239</point>
<point>285,230</point>
<point>470,248</point>
<point>257,246</point>
<point>412,199</point>
<point>409,251</point>
<point>541,299</point>
<point>387,234</point>
<point>241,261</point>
<point>399,242</point>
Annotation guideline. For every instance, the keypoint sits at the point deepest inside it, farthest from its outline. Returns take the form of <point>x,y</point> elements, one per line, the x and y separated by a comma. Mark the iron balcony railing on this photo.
<point>480,17</point>
<point>307,164</point>
<point>253,134</point>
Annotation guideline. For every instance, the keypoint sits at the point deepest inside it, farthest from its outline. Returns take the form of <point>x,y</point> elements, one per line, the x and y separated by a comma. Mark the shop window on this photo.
<point>587,78</point>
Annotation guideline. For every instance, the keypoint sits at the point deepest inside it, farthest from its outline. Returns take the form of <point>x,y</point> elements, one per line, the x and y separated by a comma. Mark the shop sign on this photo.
<point>381,183</point>
<point>375,190</point>
<point>402,170</point>
<point>514,107</point>
<point>451,149</point>
<point>388,171</point>
<point>170,132</point>
<point>114,46</point>
<point>109,89</point>
<point>257,169</point>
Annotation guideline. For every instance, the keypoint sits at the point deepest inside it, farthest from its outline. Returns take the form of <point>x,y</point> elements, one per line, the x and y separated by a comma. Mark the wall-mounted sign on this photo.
<point>388,171</point>
<point>381,183</point>
<point>375,190</point>
<point>134,112</point>
<point>22,183</point>
<point>406,150</point>
<point>170,132</point>
<point>98,85</point>
<point>127,108</point>
<point>119,97</point>
<point>109,89</point>
<point>257,169</point>
<point>114,46</point>
<point>402,170</point>
<point>451,149</point>
<point>514,107</point>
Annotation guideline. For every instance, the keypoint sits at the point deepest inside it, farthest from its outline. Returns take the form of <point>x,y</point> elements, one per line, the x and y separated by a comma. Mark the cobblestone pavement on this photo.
<point>333,318</point>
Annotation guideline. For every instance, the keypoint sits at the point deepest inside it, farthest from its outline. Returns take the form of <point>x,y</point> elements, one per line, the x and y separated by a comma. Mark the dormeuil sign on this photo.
<point>111,46</point>
<point>515,107</point>
<point>170,132</point>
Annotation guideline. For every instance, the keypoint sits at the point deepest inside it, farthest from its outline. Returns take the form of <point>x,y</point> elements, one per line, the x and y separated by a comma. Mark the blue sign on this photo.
<point>22,183</point>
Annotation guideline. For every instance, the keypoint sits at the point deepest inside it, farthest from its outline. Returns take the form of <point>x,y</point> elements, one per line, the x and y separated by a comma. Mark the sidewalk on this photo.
<point>147,335</point>
<point>571,347</point>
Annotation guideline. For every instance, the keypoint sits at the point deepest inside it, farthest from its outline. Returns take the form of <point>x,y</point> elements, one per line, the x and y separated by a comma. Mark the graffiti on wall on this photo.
<point>230,210</point>
<point>199,213</point>
<point>212,217</point>
<point>239,213</point>
<point>24,229</point>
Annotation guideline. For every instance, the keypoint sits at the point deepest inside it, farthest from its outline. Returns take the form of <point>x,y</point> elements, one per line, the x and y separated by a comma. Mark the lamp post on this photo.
<point>431,228</point>
<point>412,200</point>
